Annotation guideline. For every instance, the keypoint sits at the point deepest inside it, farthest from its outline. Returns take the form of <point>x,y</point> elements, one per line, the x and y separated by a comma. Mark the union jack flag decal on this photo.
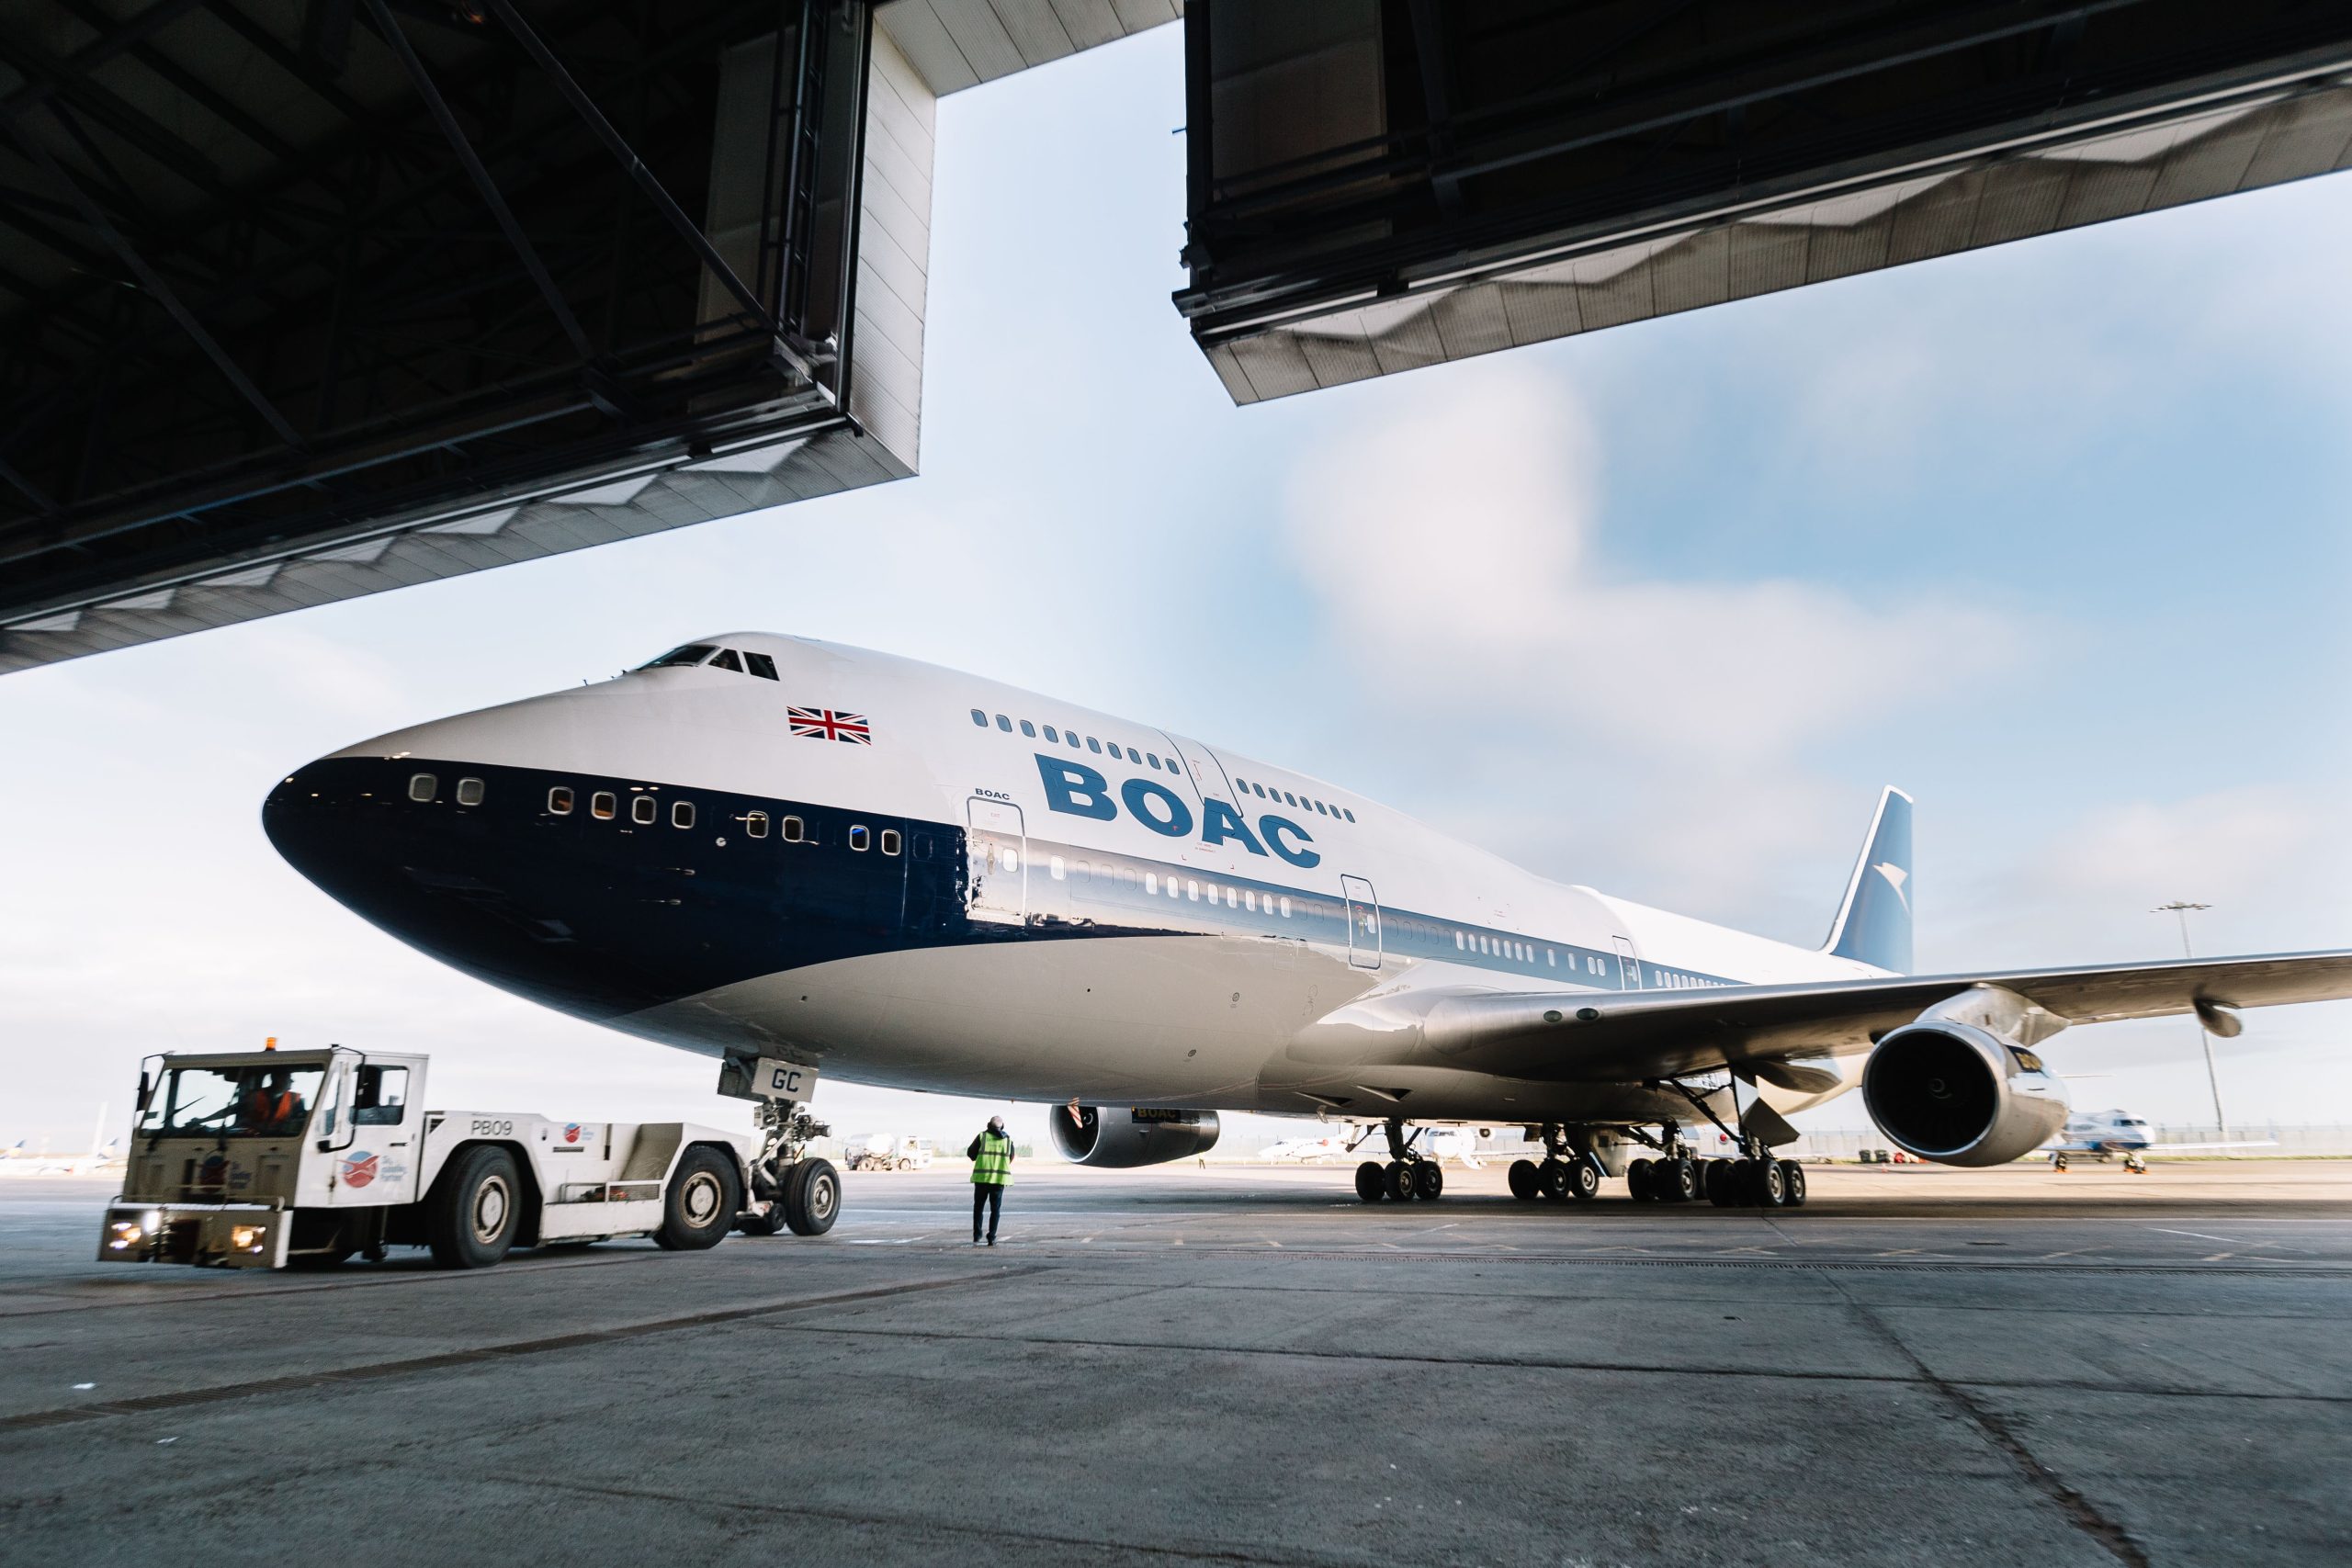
<point>825,724</point>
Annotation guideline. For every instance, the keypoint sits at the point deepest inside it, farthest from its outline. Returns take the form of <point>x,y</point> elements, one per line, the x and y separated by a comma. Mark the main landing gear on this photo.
<point>1409,1174</point>
<point>789,1190</point>
<point>1565,1175</point>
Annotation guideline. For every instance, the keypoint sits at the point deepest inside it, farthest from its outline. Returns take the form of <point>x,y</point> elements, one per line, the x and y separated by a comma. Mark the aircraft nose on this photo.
<point>474,865</point>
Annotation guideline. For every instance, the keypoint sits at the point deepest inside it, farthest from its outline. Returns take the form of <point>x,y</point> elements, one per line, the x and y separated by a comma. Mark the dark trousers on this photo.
<point>986,1195</point>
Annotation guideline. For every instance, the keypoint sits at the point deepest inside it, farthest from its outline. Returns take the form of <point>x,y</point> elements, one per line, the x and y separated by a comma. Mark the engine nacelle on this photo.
<point>1957,1094</point>
<point>1120,1137</point>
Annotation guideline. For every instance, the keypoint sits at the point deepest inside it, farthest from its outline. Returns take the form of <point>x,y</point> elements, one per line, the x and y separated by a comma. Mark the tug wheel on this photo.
<point>700,1205</point>
<point>470,1218</point>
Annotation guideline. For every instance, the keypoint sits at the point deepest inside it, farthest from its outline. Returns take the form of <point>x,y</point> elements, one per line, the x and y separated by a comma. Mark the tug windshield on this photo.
<point>256,1102</point>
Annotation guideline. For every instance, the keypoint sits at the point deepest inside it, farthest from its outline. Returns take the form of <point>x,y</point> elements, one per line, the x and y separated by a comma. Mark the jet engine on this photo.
<point>1959,1094</point>
<point>1120,1137</point>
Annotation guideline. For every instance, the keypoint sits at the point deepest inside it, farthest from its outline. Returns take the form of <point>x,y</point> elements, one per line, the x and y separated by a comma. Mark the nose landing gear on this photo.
<point>789,1190</point>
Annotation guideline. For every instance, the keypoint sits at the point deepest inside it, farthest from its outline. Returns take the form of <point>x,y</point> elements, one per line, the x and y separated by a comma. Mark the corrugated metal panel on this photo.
<point>1274,365</point>
<point>1932,213</point>
<point>792,471</point>
<point>1472,321</point>
<point>955,44</point>
<point>1035,29</point>
<point>1336,358</point>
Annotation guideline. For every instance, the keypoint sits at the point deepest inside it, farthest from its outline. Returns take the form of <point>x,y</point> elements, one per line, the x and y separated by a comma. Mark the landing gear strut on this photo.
<point>789,1190</point>
<point>1755,1180</point>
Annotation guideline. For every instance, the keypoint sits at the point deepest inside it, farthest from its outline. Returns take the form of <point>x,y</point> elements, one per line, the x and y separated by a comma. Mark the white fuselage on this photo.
<point>1136,916</point>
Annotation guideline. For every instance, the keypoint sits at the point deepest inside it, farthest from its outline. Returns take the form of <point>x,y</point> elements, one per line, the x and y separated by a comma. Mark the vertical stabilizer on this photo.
<point>1873,924</point>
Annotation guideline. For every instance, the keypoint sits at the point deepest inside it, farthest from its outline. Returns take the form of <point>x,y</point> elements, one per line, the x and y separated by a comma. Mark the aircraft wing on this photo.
<point>1628,1036</point>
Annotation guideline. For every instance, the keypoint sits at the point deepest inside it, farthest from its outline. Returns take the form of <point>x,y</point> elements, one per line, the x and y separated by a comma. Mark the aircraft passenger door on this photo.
<point>1629,964</point>
<point>997,849</point>
<point>1364,923</point>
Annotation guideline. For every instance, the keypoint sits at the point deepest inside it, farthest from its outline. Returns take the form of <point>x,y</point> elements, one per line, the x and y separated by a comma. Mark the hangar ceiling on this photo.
<point>301,299</point>
<point>1376,185</point>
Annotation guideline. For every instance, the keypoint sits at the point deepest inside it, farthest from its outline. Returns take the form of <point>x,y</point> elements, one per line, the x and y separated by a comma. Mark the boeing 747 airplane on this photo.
<point>789,855</point>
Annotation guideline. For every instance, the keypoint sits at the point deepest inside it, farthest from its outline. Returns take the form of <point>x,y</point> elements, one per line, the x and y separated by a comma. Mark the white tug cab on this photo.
<point>260,1160</point>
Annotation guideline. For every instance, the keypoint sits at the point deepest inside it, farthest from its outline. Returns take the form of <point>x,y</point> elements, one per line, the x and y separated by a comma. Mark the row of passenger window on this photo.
<point>603,804</point>
<point>1090,743</point>
<point>1506,947</point>
<point>1151,760</point>
<point>1304,803</point>
<point>1191,889</point>
<point>425,788</point>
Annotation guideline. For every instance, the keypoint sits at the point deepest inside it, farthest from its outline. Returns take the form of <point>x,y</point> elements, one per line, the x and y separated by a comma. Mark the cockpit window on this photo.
<point>760,664</point>
<point>727,661</point>
<point>693,653</point>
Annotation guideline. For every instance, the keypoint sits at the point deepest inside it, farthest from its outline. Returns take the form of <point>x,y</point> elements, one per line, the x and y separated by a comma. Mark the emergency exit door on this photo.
<point>1364,923</point>
<point>997,855</point>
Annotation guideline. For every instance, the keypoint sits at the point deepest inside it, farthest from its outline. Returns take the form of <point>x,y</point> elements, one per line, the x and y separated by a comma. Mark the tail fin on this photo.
<point>1873,924</point>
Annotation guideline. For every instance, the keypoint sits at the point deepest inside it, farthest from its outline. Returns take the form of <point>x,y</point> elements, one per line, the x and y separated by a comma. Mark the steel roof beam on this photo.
<point>688,229</point>
<point>382,16</point>
<point>162,292</point>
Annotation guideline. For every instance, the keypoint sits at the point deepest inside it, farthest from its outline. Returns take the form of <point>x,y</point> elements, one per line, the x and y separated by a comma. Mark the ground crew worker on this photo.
<point>991,1156</point>
<point>271,1106</point>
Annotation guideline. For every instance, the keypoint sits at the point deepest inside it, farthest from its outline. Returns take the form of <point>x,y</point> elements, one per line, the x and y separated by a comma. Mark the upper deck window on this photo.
<point>1004,724</point>
<point>693,653</point>
<point>979,718</point>
<point>1028,729</point>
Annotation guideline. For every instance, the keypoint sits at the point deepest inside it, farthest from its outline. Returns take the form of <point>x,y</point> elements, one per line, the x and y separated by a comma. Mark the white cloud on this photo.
<point>1451,550</point>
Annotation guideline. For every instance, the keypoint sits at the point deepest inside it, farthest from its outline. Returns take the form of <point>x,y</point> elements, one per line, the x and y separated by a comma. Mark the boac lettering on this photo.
<point>1076,790</point>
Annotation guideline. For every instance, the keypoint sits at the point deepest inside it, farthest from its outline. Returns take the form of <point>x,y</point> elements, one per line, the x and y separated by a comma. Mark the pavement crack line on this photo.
<point>1123,1547</point>
<point>330,1377</point>
<point>1561,1364</point>
<point>2080,1511</point>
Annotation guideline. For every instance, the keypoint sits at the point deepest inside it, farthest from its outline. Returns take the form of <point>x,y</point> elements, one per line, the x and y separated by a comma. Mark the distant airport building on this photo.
<point>299,303</point>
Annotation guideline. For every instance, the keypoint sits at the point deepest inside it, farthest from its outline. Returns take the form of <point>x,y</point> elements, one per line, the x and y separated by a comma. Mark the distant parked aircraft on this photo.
<point>2103,1135</point>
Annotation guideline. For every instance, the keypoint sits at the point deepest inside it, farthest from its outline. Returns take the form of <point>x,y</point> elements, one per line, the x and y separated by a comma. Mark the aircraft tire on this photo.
<point>1792,1178</point>
<point>470,1217</point>
<point>1371,1181</point>
<point>1722,1190</point>
<point>700,1206</point>
<point>1428,1180</point>
<point>1396,1180</point>
<point>1552,1179</point>
<point>1681,1180</point>
<point>1772,1184</point>
<point>812,1198</point>
<point>1584,1180</point>
<point>1524,1181</point>
<point>1637,1181</point>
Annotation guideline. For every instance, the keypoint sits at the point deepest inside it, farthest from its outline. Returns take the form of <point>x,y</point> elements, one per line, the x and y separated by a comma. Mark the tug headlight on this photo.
<point>246,1238</point>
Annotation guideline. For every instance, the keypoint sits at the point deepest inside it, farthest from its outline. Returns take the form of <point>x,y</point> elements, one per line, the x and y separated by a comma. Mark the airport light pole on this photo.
<point>2181,908</point>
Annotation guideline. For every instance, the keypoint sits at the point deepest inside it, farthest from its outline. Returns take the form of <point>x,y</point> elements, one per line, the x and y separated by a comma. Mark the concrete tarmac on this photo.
<point>1229,1364</point>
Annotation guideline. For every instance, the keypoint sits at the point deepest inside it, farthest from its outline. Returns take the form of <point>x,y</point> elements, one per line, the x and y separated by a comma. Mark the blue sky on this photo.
<point>2053,534</point>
